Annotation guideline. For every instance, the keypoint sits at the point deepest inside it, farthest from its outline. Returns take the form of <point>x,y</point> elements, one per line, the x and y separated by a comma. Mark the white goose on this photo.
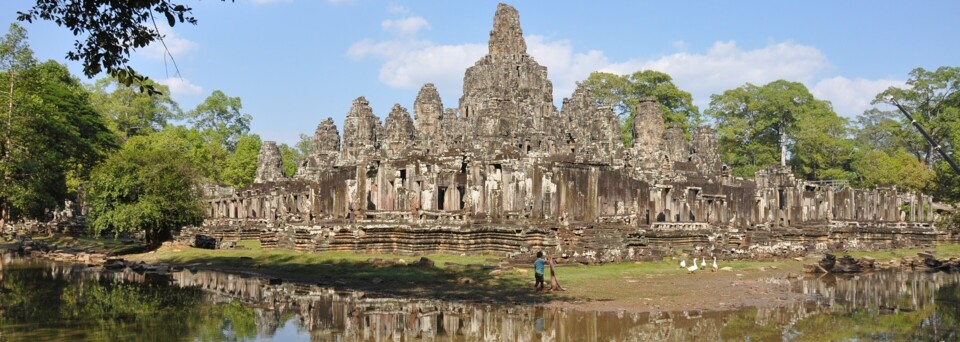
<point>714,264</point>
<point>703,264</point>
<point>693,268</point>
<point>683,263</point>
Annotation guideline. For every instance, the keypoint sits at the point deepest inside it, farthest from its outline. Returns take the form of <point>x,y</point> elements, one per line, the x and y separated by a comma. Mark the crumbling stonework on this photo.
<point>269,164</point>
<point>507,172</point>
<point>362,132</point>
<point>325,153</point>
<point>400,134</point>
<point>648,130</point>
<point>428,112</point>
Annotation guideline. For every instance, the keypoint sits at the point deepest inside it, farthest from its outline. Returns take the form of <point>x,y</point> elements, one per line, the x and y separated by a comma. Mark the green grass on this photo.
<point>362,271</point>
<point>382,272</point>
<point>942,251</point>
<point>103,244</point>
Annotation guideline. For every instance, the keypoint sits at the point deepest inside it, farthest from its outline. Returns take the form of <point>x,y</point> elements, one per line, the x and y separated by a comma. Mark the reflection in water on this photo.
<point>42,300</point>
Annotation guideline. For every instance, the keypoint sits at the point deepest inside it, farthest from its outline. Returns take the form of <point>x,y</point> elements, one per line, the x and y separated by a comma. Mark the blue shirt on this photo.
<point>538,266</point>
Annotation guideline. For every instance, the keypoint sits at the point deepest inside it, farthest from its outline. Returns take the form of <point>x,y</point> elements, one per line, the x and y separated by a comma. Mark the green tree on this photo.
<point>933,99</point>
<point>130,112</point>
<point>901,169</point>
<point>753,121</point>
<point>305,145</point>
<point>883,130</point>
<point>209,158</point>
<point>623,94</point>
<point>822,148</point>
<point>219,116</point>
<point>49,132</point>
<point>241,166</point>
<point>291,158</point>
<point>113,29</point>
<point>150,185</point>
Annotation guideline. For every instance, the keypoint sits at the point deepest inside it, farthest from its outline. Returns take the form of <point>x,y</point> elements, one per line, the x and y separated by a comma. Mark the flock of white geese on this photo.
<point>703,265</point>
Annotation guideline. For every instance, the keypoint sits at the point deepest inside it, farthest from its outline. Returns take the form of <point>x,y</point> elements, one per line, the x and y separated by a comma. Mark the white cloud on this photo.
<point>411,63</point>
<point>181,86</point>
<point>850,97</point>
<point>725,66</point>
<point>408,26</point>
<point>680,45</point>
<point>397,9</point>
<point>178,46</point>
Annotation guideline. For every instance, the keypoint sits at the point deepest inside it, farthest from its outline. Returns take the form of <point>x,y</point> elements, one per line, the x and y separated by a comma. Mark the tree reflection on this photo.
<point>43,304</point>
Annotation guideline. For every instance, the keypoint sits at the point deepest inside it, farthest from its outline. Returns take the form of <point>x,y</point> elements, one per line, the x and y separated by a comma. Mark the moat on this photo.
<point>41,300</point>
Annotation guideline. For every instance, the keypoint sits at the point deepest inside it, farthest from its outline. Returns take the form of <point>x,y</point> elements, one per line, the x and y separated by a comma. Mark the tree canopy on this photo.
<point>50,133</point>
<point>146,186</point>
<point>623,94</point>
<point>753,121</point>
<point>219,115</point>
<point>113,29</point>
<point>241,167</point>
<point>129,112</point>
<point>933,99</point>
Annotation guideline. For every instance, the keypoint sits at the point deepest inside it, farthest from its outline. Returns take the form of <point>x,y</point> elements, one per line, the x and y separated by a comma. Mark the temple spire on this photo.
<point>506,38</point>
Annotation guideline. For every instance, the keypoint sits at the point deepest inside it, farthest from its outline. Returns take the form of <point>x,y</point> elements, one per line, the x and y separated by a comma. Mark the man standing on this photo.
<point>538,270</point>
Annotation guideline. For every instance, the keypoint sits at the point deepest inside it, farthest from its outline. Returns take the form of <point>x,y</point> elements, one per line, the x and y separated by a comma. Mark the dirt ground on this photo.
<point>700,291</point>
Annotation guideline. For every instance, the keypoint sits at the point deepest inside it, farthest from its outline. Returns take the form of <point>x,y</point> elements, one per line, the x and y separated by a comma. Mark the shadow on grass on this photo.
<point>419,282</point>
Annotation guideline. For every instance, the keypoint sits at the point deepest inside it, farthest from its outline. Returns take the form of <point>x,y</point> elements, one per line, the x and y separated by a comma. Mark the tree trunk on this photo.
<point>4,158</point>
<point>554,284</point>
<point>783,148</point>
<point>3,216</point>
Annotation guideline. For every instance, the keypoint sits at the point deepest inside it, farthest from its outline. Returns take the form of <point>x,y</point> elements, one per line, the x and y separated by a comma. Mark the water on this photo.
<point>42,301</point>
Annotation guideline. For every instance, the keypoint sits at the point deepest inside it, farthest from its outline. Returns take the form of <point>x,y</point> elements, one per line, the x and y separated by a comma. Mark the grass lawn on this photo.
<point>105,244</point>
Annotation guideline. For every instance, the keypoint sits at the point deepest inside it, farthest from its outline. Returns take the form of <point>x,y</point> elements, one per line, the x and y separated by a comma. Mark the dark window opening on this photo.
<point>461,189</point>
<point>497,167</point>
<point>463,167</point>
<point>661,217</point>
<point>441,194</point>
<point>403,175</point>
<point>370,204</point>
<point>782,198</point>
<point>693,218</point>
<point>647,216</point>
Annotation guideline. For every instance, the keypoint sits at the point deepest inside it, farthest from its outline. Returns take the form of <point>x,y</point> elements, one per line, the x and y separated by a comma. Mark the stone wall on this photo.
<point>506,172</point>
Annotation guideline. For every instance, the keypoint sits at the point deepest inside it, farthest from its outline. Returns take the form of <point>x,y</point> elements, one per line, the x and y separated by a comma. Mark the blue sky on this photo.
<point>297,62</point>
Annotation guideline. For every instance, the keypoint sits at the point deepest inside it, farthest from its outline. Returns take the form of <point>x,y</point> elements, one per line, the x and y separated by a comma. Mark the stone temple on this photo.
<point>506,172</point>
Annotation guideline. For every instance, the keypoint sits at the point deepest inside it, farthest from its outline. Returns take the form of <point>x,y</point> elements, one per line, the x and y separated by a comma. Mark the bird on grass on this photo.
<point>703,264</point>
<point>683,263</point>
<point>714,264</point>
<point>693,268</point>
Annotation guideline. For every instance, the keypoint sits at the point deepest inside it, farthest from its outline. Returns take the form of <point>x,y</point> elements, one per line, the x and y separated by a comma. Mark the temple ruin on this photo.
<point>507,172</point>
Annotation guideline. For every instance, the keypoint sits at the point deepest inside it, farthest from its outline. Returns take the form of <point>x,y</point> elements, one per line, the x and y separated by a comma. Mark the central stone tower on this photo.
<point>507,98</point>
